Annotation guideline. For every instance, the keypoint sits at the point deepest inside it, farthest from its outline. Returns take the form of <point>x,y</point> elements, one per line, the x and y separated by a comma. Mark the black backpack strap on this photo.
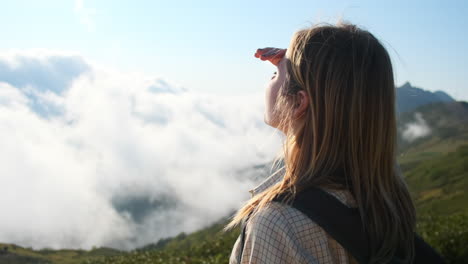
<point>345,226</point>
<point>338,220</point>
<point>424,253</point>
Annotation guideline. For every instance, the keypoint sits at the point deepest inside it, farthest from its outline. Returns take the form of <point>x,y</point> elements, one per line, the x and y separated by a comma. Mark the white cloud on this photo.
<point>127,160</point>
<point>417,129</point>
<point>85,15</point>
<point>42,76</point>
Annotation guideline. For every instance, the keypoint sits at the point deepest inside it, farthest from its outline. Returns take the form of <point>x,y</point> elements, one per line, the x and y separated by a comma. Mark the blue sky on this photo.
<point>208,46</point>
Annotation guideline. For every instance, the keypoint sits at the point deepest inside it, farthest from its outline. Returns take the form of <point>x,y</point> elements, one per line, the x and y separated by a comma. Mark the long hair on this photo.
<point>347,137</point>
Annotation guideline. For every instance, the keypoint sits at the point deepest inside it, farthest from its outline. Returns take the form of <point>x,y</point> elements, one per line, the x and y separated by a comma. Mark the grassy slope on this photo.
<point>17,254</point>
<point>439,185</point>
<point>437,174</point>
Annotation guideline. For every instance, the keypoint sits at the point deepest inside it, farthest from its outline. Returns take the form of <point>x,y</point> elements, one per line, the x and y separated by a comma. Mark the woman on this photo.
<point>333,97</point>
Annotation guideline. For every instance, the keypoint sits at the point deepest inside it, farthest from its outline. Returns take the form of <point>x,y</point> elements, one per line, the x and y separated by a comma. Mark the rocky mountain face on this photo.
<point>409,97</point>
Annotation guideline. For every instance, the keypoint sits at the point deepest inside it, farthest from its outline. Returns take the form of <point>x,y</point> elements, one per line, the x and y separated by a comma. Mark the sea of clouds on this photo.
<point>93,156</point>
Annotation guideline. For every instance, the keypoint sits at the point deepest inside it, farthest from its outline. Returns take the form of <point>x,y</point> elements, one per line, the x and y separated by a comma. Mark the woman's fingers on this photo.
<point>274,55</point>
<point>266,52</point>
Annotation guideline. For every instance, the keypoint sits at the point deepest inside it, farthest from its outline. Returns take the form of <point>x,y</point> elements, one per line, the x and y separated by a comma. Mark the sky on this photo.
<point>208,46</point>
<point>125,122</point>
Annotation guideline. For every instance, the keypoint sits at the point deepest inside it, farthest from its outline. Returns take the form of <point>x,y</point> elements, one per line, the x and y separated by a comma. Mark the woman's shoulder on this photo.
<point>285,226</point>
<point>278,212</point>
<point>279,217</point>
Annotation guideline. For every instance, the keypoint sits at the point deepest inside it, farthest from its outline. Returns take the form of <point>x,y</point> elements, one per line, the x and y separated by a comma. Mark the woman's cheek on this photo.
<point>270,99</point>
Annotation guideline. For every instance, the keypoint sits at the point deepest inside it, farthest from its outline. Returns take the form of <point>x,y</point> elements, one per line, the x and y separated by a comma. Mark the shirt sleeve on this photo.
<point>270,238</point>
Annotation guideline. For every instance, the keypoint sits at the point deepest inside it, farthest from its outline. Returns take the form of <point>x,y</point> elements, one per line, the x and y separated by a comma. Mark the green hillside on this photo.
<point>440,185</point>
<point>14,254</point>
<point>448,123</point>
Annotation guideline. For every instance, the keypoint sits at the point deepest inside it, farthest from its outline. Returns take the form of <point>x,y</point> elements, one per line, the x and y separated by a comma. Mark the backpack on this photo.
<point>345,226</point>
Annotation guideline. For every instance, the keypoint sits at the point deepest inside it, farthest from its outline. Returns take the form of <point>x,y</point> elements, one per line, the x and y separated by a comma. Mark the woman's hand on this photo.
<point>273,55</point>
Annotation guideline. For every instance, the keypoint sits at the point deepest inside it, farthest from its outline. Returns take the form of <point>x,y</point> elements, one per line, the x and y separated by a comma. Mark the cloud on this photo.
<point>43,71</point>
<point>85,15</point>
<point>121,163</point>
<point>42,77</point>
<point>417,129</point>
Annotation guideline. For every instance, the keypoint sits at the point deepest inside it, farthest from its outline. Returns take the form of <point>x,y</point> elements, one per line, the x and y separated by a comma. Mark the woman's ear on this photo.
<point>302,103</point>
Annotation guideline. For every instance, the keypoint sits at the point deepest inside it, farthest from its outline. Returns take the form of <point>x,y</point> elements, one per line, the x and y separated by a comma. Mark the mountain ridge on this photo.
<point>409,97</point>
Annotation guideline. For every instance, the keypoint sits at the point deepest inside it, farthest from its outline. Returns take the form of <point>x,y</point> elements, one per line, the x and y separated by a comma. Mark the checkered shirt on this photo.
<point>282,234</point>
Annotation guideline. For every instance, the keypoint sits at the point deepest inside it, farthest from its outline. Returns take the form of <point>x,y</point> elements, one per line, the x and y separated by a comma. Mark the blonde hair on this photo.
<point>349,127</point>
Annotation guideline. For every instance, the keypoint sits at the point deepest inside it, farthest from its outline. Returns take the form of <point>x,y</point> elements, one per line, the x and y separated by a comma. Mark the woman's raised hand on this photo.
<point>273,55</point>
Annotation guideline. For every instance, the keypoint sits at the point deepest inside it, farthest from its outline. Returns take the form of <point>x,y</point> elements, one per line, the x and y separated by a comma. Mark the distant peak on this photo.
<point>407,84</point>
<point>410,97</point>
<point>443,96</point>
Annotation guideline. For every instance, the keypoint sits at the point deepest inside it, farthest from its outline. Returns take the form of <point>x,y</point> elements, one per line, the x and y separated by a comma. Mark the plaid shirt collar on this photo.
<point>265,184</point>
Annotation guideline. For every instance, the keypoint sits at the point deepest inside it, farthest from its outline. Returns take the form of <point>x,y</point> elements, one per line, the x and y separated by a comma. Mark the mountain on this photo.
<point>409,97</point>
<point>434,166</point>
